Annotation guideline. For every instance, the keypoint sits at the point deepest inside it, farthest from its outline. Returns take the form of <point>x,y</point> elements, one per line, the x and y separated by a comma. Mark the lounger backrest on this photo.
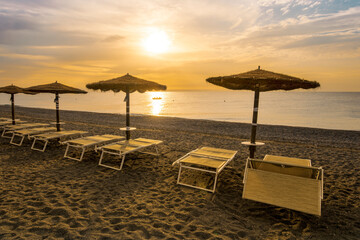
<point>288,160</point>
<point>289,186</point>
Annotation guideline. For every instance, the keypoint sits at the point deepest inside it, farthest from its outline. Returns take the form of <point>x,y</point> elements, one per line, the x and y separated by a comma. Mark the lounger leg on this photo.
<point>74,158</point>
<point>193,186</point>
<point>215,181</point>
<point>82,154</point>
<point>39,149</point>
<point>101,157</point>
<point>4,134</point>
<point>46,142</point>
<point>66,150</point>
<point>245,172</point>
<point>13,138</point>
<point>104,165</point>
<point>122,161</point>
<point>33,144</point>
<point>178,179</point>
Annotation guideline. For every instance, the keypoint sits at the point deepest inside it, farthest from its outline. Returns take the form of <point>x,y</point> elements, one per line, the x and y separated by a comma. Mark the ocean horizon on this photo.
<point>327,110</point>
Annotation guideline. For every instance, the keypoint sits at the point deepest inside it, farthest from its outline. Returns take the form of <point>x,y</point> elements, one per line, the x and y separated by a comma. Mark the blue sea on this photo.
<point>329,110</point>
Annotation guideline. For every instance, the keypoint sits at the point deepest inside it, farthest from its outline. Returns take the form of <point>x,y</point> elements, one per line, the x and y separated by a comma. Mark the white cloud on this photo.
<point>285,9</point>
<point>270,12</point>
<point>78,34</point>
<point>267,3</point>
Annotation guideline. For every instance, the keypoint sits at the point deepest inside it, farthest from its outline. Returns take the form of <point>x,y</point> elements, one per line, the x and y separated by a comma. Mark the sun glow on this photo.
<point>157,102</point>
<point>157,42</point>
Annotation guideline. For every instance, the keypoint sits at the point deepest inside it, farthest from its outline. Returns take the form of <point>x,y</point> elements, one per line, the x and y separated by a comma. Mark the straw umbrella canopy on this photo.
<point>258,81</point>
<point>56,88</point>
<point>127,84</point>
<point>12,90</point>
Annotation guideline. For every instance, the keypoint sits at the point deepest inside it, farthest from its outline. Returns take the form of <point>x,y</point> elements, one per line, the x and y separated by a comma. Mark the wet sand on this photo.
<point>44,196</point>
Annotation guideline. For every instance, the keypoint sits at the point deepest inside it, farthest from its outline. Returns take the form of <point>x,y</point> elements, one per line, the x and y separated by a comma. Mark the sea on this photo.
<point>328,110</point>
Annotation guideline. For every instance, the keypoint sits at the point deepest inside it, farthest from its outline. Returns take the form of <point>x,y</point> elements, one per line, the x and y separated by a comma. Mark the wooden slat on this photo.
<point>215,152</point>
<point>149,141</point>
<point>35,130</point>
<point>26,125</point>
<point>82,141</point>
<point>120,147</point>
<point>203,161</point>
<point>51,135</point>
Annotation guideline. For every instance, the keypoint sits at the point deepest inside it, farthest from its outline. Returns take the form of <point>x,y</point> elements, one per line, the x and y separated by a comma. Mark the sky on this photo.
<point>81,41</point>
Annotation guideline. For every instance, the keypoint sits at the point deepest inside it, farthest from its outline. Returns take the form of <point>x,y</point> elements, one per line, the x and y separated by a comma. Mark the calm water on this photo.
<point>306,109</point>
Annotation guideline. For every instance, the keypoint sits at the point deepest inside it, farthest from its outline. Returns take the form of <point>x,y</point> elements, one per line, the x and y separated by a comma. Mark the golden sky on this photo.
<point>179,43</point>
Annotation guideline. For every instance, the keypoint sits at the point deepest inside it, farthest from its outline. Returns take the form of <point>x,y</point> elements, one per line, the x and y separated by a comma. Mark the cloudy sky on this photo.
<point>81,41</point>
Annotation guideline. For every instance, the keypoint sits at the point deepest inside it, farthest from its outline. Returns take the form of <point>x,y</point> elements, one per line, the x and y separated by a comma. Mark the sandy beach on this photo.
<point>44,196</point>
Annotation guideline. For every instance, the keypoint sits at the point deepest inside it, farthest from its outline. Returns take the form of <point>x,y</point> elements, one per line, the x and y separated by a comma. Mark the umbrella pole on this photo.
<point>57,112</point>
<point>127,115</point>
<point>254,121</point>
<point>12,108</point>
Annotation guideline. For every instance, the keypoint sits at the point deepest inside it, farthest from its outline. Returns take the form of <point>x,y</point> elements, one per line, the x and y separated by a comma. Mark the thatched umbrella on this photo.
<point>12,89</point>
<point>56,88</point>
<point>260,81</point>
<point>127,84</point>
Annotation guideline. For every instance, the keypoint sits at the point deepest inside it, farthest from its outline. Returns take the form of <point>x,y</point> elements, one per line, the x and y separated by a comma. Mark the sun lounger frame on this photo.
<point>216,171</point>
<point>12,128</point>
<point>4,124</point>
<point>87,146</point>
<point>47,139</point>
<point>23,135</point>
<point>292,191</point>
<point>122,154</point>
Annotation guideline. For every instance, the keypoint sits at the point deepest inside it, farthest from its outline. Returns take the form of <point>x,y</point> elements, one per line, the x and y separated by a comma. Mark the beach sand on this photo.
<point>44,196</point>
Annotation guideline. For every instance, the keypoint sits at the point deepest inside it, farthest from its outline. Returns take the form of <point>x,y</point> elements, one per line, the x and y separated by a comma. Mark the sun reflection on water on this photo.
<point>156,102</point>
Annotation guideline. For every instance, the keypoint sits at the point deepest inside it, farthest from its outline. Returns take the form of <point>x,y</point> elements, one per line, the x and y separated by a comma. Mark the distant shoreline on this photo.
<point>338,111</point>
<point>176,117</point>
<point>341,138</point>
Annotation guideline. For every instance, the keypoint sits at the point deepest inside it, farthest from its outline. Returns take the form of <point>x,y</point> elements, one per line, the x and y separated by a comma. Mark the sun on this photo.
<point>157,42</point>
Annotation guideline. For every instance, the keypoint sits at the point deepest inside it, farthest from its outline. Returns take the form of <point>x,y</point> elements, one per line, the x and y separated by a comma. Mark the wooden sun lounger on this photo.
<point>11,128</point>
<point>123,148</point>
<point>285,182</point>
<point>9,122</point>
<point>5,123</point>
<point>205,159</point>
<point>7,119</point>
<point>46,137</point>
<point>28,132</point>
<point>87,142</point>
